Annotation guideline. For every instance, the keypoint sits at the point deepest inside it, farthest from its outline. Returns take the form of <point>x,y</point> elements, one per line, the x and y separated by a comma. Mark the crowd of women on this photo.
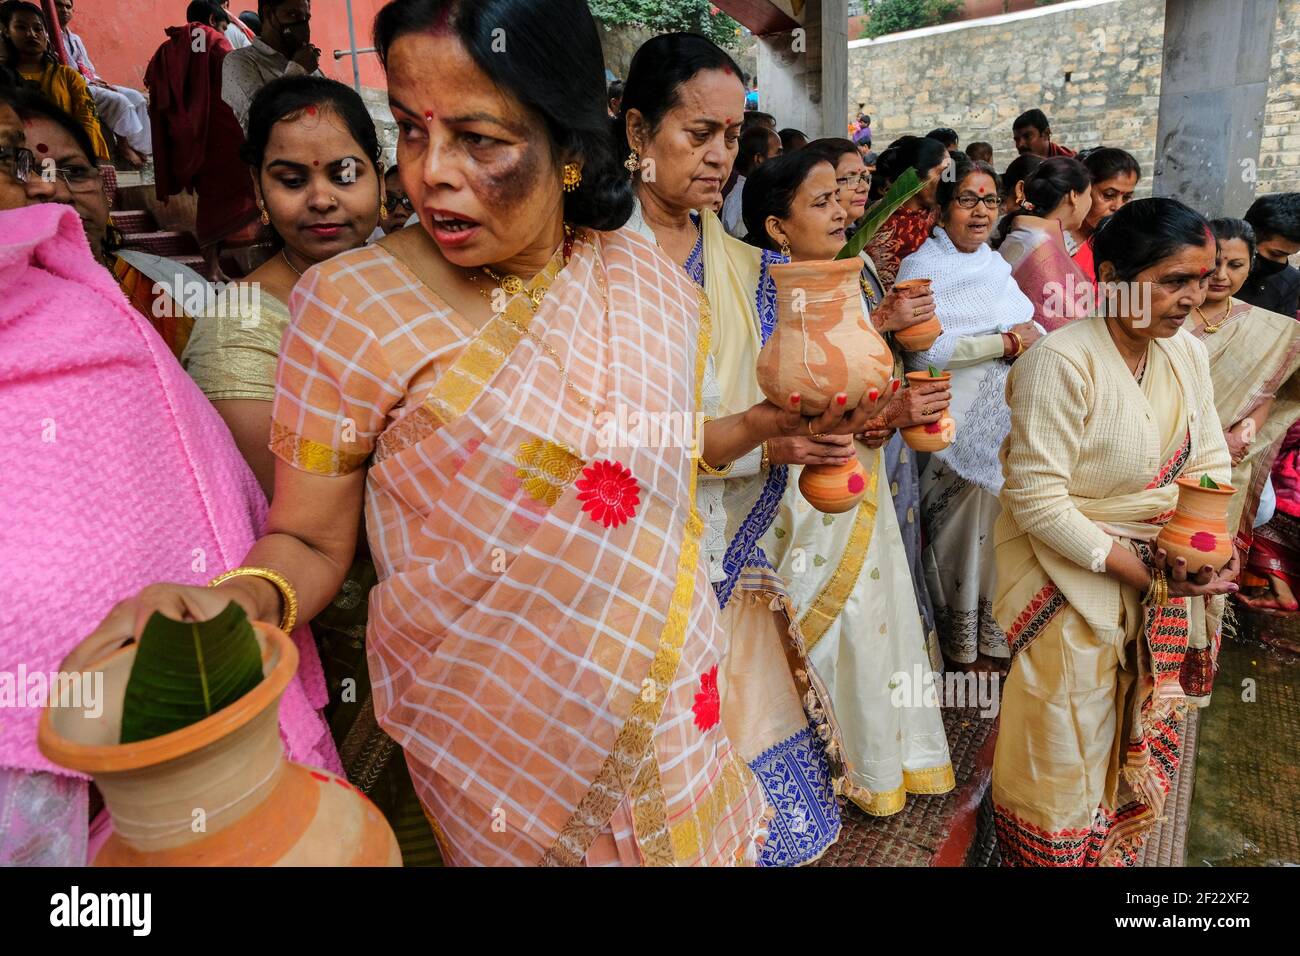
<point>582,650</point>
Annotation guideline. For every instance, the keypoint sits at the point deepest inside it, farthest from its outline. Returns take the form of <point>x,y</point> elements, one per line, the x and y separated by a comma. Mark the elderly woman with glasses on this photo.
<point>987,322</point>
<point>63,169</point>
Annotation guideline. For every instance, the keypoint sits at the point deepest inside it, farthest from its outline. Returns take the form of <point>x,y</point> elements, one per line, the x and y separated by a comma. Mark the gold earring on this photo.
<point>266,218</point>
<point>383,210</point>
<point>572,177</point>
<point>785,248</point>
<point>632,163</point>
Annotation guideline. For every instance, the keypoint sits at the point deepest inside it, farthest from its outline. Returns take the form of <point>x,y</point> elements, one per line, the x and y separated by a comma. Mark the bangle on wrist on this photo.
<point>288,596</point>
<point>703,465</point>
<point>1158,593</point>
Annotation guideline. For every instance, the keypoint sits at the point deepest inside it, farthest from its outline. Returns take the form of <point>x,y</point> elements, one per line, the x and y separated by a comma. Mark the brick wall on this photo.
<point>1094,70</point>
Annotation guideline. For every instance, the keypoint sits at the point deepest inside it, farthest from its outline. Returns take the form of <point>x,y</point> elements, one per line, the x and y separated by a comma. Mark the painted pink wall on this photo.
<point>122,35</point>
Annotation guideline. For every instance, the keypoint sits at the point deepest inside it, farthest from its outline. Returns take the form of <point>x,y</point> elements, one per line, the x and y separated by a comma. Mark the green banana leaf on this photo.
<point>903,189</point>
<point>185,671</point>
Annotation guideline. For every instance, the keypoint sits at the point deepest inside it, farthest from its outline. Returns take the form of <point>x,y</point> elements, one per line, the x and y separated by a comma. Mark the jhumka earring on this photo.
<point>785,248</point>
<point>572,177</point>
<point>632,163</point>
<point>266,218</point>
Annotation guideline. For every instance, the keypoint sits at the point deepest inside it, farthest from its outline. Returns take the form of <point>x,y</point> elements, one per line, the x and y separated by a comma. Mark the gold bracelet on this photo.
<point>1158,593</point>
<point>1020,343</point>
<point>288,596</point>
<point>704,466</point>
<point>710,470</point>
<point>765,462</point>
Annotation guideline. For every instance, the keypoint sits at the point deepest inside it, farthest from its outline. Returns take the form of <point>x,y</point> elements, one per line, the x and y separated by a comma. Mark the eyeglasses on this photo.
<point>970,201</point>
<point>79,179</point>
<point>863,178</point>
<point>391,203</point>
<point>17,162</point>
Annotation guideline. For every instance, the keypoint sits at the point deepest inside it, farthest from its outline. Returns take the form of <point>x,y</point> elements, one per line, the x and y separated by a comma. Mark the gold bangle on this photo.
<point>1158,593</point>
<point>1020,343</point>
<point>288,596</point>
<point>703,465</point>
<point>710,470</point>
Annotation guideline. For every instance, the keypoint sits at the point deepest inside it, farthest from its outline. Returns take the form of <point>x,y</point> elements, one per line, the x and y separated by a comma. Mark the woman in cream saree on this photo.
<point>848,574</point>
<point>1110,642</point>
<point>1254,360</point>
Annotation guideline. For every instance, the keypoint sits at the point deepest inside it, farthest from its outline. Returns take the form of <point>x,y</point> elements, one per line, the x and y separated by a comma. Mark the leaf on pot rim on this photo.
<point>934,372</point>
<point>185,671</point>
<point>904,188</point>
<point>1208,482</point>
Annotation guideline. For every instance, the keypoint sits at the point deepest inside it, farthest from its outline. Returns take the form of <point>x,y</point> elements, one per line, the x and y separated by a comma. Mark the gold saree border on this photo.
<point>622,770</point>
<point>826,607</point>
<point>930,780</point>
<point>689,836</point>
<point>312,456</point>
<point>464,382</point>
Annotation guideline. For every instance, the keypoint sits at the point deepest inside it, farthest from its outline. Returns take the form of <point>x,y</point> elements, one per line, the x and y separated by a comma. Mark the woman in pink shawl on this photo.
<point>1031,238</point>
<point>127,476</point>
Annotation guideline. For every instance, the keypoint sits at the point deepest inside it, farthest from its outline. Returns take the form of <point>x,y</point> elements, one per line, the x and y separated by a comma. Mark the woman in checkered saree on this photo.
<point>543,621</point>
<point>1110,641</point>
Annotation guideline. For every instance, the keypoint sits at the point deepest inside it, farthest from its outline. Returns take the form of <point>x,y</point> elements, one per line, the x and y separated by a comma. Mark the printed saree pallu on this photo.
<point>542,625</point>
<point>1092,708</point>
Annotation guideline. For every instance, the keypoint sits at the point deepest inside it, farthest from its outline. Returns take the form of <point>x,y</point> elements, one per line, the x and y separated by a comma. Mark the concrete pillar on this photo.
<point>1213,86</point>
<point>803,74</point>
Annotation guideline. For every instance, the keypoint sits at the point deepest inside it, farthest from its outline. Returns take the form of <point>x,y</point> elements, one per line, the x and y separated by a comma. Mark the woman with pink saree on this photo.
<point>1053,200</point>
<point>128,475</point>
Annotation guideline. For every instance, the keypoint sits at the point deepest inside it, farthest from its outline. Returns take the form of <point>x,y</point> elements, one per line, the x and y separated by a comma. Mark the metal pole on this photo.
<point>352,42</point>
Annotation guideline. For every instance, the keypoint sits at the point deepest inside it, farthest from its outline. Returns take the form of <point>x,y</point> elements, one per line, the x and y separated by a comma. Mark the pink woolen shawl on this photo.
<point>117,473</point>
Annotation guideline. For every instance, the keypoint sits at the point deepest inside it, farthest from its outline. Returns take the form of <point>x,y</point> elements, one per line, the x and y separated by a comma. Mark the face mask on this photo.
<point>1267,267</point>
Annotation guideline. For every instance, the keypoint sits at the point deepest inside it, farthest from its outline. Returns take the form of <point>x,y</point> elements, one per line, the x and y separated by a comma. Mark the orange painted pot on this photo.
<point>834,489</point>
<point>918,338</point>
<point>935,436</point>
<point>219,792</point>
<point>1198,531</point>
<point>823,343</point>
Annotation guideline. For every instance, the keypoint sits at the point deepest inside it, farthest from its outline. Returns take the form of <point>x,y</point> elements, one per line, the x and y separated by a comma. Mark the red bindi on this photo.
<point>315,162</point>
<point>311,111</point>
<point>42,148</point>
<point>981,190</point>
<point>428,116</point>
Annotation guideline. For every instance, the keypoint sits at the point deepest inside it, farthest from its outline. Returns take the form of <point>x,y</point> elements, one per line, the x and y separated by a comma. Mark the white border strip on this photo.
<point>982,22</point>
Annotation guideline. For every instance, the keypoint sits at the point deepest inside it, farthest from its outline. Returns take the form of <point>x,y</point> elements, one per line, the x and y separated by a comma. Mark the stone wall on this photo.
<point>1093,68</point>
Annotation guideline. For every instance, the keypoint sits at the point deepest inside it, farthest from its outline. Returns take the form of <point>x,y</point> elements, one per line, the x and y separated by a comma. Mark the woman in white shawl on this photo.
<point>987,322</point>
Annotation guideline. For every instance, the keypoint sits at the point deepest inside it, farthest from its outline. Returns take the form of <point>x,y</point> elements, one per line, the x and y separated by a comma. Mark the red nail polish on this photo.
<point>873,394</point>
<point>896,384</point>
<point>794,399</point>
<point>842,399</point>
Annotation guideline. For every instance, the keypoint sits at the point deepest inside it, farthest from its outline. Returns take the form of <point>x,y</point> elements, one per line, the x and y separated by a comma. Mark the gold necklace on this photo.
<point>1205,323</point>
<point>285,256</point>
<point>512,285</point>
<point>866,289</point>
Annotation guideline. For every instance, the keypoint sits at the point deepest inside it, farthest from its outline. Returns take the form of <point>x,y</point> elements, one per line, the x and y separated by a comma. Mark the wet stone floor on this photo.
<point>1246,802</point>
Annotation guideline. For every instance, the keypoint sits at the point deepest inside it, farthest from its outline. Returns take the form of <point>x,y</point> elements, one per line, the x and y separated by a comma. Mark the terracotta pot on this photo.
<point>823,342</point>
<point>1198,531</point>
<point>834,489</point>
<point>918,338</point>
<point>935,436</point>
<point>257,808</point>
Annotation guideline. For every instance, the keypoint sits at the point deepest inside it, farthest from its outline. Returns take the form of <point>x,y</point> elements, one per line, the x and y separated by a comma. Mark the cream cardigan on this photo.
<point>1081,426</point>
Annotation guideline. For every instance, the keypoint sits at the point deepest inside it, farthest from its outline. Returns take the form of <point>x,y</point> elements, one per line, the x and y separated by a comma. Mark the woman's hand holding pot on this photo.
<point>920,404</point>
<point>1203,583</point>
<point>827,450</point>
<point>897,312</point>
